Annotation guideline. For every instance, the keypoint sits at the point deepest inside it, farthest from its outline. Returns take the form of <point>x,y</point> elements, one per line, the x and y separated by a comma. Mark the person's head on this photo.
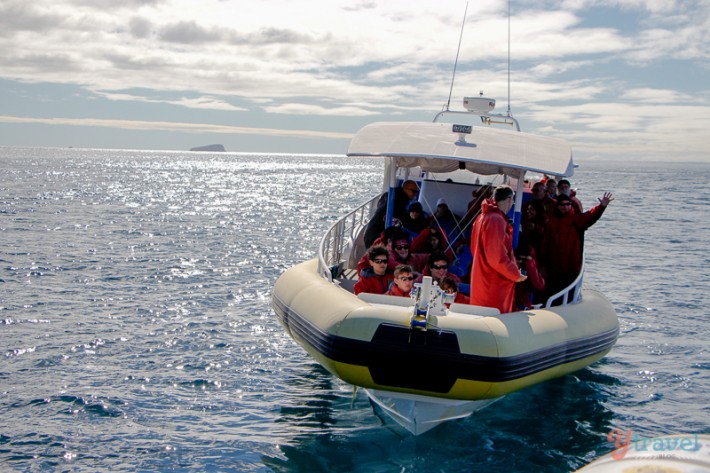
<point>400,246</point>
<point>503,196</point>
<point>563,204</point>
<point>404,277</point>
<point>378,256</point>
<point>410,188</point>
<point>441,206</point>
<point>392,234</point>
<point>415,210</point>
<point>564,187</point>
<point>539,191</point>
<point>434,239</point>
<point>438,264</point>
<point>449,285</point>
<point>551,185</point>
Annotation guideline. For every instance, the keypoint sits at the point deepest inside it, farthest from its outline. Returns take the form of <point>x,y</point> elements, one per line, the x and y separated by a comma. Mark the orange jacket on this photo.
<point>494,272</point>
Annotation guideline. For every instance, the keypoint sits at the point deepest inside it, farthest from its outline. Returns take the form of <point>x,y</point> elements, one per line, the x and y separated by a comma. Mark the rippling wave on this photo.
<point>137,334</point>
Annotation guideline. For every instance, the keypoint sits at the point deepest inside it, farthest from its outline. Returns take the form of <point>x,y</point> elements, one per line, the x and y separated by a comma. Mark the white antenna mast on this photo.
<point>508,58</point>
<point>457,58</point>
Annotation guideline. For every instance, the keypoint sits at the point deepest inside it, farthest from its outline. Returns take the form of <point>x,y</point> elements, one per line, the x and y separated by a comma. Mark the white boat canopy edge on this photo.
<point>435,147</point>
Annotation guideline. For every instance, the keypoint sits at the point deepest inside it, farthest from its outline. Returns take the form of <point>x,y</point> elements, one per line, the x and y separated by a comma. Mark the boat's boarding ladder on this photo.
<point>340,243</point>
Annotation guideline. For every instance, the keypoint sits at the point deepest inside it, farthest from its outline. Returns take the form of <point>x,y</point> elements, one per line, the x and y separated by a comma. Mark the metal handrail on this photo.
<point>576,286</point>
<point>342,237</point>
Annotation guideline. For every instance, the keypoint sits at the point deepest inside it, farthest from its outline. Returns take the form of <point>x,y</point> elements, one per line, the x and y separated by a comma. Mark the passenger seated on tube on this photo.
<point>403,281</point>
<point>397,243</point>
<point>438,268</point>
<point>450,286</point>
<point>376,278</point>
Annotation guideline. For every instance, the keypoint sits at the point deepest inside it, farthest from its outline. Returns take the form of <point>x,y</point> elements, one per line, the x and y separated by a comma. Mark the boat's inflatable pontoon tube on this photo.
<point>465,357</point>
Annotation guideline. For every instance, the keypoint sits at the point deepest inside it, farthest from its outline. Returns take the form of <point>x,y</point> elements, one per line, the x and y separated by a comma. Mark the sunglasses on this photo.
<point>440,266</point>
<point>406,278</point>
<point>564,204</point>
<point>401,247</point>
<point>379,261</point>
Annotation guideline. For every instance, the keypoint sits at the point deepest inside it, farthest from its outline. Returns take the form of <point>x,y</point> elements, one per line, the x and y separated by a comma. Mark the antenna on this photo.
<point>508,57</point>
<point>451,89</point>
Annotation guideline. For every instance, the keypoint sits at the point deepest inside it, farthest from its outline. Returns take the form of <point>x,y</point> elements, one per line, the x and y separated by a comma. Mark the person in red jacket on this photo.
<point>397,242</point>
<point>534,214</point>
<point>375,279</point>
<point>563,243</point>
<point>437,268</point>
<point>564,187</point>
<point>494,272</point>
<point>529,292</point>
<point>403,281</point>
<point>450,286</point>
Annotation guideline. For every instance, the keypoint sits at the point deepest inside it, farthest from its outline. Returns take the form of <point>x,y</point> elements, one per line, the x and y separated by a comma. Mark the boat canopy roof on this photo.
<point>440,147</point>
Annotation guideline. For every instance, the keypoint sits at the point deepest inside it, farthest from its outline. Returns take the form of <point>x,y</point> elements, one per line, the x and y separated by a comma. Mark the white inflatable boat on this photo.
<point>422,359</point>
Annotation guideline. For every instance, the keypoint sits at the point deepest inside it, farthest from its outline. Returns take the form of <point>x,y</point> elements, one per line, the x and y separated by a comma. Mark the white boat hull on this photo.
<point>419,414</point>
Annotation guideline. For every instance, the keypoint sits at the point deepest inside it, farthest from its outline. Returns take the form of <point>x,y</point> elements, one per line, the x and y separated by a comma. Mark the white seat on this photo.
<point>385,299</point>
<point>473,309</point>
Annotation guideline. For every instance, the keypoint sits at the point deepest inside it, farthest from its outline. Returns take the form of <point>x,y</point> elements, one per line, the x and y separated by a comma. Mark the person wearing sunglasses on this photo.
<point>438,268</point>
<point>376,278</point>
<point>401,254</point>
<point>494,272</point>
<point>562,245</point>
<point>403,281</point>
<point>450,286</point>
<point>397,242</point>
<point>564,187</point>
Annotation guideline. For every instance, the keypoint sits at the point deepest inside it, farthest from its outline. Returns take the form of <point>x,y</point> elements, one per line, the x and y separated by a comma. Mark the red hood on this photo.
<point>489,205</point>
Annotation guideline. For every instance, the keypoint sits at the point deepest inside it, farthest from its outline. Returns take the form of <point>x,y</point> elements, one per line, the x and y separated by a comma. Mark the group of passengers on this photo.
<point>477,247</point>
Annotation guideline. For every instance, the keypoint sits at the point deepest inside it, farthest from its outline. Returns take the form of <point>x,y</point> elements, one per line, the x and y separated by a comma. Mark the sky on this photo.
<point>618,79</point>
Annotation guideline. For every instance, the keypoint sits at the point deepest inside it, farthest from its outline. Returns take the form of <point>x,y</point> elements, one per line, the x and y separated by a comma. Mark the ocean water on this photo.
<point>136,332</point>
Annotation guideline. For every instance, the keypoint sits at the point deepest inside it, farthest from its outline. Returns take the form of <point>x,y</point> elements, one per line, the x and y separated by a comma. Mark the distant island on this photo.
<point>208,148</point>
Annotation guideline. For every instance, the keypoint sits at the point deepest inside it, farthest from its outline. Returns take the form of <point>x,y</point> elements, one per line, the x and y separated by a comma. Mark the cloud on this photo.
<point>189,32</point>
<point>205,102</point>
<point>658,96</point>
<point>625,129</point>
<point>340,58</point>
<point>175,127</point>
<point>25,16</point>
<point>306,109</point>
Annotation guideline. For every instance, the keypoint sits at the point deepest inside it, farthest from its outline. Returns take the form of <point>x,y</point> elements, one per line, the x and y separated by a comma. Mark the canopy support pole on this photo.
<point>518,206</point>
<point>391,170</point>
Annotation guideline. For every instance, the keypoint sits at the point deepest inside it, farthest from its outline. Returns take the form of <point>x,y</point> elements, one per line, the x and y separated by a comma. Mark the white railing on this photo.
<point>575,289</point>
<point>341,239</point>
